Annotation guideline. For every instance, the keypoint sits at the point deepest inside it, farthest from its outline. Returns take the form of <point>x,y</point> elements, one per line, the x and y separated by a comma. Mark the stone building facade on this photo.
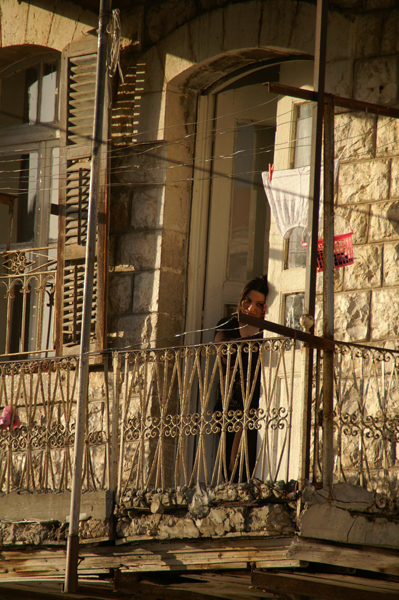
<point>177,60</point>
<point>183,223</point>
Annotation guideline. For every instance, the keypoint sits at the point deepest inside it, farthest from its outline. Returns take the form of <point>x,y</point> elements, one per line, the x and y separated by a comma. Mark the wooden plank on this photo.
<point>154,562</point>
<point>246,540</point>
<point>205,555</point>
<point>183,567</point>
<point>159,556</point>
<point>236,590</point>
<point>325,587</point>
<point>280,563</point>
<point>195,591</point>
<point>369,559</point>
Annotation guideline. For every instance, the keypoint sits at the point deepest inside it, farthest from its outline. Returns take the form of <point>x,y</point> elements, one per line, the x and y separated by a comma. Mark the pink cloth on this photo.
<point>6,418</point>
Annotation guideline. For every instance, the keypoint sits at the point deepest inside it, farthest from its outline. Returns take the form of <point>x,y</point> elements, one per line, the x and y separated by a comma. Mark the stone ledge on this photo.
<point>268,520</point>
<point>327,522</point>
<point>161,500</point>
<point>51,533</point>
<point>228,509</point>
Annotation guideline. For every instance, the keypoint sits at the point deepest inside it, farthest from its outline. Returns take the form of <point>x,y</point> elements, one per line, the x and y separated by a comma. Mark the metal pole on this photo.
<point>316,149</point>
<point>71,572</point>
<point>328,293</point>
<point>314,200</point>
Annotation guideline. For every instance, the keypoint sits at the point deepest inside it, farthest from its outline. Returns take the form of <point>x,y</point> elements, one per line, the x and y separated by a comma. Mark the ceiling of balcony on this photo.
<point>94,5</point>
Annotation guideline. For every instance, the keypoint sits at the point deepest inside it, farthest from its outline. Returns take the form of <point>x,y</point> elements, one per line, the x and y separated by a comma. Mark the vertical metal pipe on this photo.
<point>71,573</point>
<point>328,293</point>
<point>114,458</point>
<point>316,150</point>
<point>314,199</point>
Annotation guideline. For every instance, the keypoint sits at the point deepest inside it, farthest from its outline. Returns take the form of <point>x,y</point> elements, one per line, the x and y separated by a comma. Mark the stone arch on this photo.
<point>221,43</point>
<point>178,115</point>
<point>12,56</point>
<point>24,24</point>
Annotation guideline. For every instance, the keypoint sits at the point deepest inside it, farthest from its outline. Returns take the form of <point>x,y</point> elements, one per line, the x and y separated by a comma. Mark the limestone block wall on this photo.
<point>366,293</point>
<point>185,46</point>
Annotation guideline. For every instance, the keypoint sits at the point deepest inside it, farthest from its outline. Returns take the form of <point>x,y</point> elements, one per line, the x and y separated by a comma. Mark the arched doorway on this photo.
<point>242,128</point>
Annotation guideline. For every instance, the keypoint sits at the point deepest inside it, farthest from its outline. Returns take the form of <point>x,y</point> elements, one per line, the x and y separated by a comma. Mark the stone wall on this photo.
<point>366,305</point>
<point>151,196</point>
<point>265,509</point>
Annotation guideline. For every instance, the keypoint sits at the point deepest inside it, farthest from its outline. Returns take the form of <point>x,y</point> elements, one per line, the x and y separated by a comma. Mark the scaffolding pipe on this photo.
<point>313,218</point>
<point>71,571</point>
<point>328,294</point>
<point>316,152</point>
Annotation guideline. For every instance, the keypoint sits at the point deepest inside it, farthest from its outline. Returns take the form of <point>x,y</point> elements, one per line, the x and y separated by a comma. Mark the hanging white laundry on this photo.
<point>288,196</point>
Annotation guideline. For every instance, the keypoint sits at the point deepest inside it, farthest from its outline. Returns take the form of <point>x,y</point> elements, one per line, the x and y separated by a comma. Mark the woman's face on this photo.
<point>254,304</point>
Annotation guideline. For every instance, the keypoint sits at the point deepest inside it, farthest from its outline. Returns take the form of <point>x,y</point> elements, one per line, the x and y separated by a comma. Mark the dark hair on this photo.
<point>258,284</point>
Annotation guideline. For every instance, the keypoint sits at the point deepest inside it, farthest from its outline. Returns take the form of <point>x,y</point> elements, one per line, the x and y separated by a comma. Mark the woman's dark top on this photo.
<point>230,330</point>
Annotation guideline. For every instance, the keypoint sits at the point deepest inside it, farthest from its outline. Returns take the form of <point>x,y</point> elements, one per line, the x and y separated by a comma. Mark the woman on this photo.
<point>252,302</point>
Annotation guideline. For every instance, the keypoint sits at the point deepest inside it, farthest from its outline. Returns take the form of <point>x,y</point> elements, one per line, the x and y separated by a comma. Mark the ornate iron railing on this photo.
<point>37,427</point>
<point>182,410</point>
<point>169,415</point>
<point>27,285</point>
<point>166,418</point>
<point>366,418</point>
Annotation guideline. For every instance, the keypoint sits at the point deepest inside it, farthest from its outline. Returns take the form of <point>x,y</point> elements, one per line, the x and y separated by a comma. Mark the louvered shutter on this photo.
<point>77,109</point>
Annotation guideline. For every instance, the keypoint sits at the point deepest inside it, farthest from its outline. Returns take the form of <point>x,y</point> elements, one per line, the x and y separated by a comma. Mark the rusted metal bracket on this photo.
<point>288,90</point>
<point>313,340</point>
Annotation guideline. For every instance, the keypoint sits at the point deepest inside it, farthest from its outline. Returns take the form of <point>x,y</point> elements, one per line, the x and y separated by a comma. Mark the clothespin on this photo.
<point>271,169</point>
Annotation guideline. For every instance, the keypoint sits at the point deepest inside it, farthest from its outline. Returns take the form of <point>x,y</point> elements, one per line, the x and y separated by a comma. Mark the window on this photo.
<point>29,178</point>
<point>246,249</point>
<point>30,94</point>
<point>294,307</point>
<point>303,135</point>
<point>295,252</point>
<point>45,151</point>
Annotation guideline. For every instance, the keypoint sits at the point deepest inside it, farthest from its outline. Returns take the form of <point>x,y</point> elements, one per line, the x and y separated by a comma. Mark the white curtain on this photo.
<point>288,196</point>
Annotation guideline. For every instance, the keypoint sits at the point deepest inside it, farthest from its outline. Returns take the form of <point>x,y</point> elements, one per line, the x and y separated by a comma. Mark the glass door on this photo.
<point>238,230</point>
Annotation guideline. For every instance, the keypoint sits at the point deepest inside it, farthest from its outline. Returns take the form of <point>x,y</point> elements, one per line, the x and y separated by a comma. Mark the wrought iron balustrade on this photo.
<point>37,440</point>
<point>180,414</point>
<point>366,418</point>
<point>168,417</point>
<point>27,285</point>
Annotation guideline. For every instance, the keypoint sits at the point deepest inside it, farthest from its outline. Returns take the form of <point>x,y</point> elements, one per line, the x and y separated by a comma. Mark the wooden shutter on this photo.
<point>123,105</point>
<point>78,78</point>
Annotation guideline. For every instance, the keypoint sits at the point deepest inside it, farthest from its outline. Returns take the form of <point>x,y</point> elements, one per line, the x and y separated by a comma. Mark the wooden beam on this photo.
<point>364,558</point>
<point>179,555</point>
<point>325,587</point>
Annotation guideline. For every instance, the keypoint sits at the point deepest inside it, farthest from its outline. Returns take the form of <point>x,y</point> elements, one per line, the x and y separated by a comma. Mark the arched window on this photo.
<point>29,91</point>
<point>29,174</point>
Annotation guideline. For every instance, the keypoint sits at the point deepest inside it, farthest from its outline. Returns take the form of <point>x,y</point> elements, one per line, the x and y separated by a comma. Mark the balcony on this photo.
<point>158,465</point>
<point>160,418</point>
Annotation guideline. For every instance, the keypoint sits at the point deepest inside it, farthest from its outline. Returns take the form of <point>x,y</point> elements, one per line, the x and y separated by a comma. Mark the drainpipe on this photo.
<point>71,571</point>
